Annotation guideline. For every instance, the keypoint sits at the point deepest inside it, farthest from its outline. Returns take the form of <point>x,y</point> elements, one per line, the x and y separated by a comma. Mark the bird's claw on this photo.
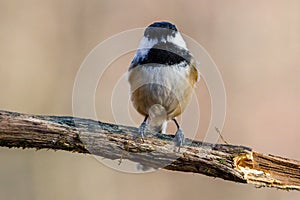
<point>178,139</point>
<point>141,131</point>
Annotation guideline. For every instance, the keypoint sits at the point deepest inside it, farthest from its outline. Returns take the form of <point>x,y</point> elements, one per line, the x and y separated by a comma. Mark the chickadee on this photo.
<point>162,76</point>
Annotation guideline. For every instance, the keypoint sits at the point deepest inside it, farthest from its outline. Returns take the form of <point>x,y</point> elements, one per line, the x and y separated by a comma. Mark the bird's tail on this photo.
<point>159,128</point>
<point>157,119</point>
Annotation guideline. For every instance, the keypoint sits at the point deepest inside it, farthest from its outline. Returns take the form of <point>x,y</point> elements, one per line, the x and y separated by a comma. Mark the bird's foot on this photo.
<point>178,139</point>
<point>141,131</point>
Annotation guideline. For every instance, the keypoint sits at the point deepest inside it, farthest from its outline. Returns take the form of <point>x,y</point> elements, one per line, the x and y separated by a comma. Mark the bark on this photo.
<point>117,142</point>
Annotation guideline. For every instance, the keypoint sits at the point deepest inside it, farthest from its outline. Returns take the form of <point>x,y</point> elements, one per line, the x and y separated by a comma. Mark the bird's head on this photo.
<point>162,32</point>
<point>159,35</point>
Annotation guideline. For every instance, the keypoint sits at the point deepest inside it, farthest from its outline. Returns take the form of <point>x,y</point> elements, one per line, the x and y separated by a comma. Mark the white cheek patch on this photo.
<point>178,40</point>
<point>144,47</point>
<point>146,44</point>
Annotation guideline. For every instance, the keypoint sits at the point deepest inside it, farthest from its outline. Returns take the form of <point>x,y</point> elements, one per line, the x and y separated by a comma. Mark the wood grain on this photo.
<point>230,162</point>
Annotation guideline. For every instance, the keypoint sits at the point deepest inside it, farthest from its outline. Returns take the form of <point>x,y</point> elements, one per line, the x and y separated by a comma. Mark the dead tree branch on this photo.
<point>230,162</point>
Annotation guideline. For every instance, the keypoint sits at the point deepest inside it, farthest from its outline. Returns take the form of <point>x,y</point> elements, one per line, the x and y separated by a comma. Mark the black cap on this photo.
<point>167,25</point>
<point>160,29</point>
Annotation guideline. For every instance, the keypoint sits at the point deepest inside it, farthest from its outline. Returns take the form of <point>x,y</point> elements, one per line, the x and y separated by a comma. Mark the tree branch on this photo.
<point>230,162</point>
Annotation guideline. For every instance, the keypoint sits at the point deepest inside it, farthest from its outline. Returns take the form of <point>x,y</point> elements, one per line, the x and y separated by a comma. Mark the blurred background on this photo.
<point>255,44</point>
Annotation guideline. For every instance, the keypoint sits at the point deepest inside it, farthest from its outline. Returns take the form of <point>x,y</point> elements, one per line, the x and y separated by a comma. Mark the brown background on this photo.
<point>255,44</point>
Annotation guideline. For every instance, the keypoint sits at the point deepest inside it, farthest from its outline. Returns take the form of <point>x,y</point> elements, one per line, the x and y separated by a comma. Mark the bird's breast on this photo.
<point>168,86</point>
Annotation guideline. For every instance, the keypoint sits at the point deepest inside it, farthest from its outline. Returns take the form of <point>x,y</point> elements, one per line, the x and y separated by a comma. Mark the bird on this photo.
<point>162,77</point>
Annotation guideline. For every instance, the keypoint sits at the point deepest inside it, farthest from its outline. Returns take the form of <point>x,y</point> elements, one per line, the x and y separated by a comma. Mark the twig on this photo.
<point>222,138</point>
<point>230,162</point>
